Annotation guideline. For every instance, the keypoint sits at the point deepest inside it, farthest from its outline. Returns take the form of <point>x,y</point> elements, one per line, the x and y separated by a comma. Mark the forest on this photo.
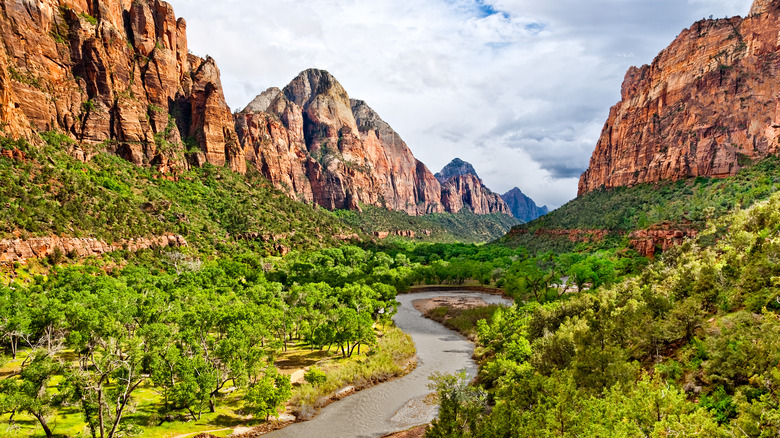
<point>86,346</point>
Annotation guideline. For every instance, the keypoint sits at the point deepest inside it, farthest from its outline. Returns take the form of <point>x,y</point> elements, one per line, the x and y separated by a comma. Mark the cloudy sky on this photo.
<point>519,88</point>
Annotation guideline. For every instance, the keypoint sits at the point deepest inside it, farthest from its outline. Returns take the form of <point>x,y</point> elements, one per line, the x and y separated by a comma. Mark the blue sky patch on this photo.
<point>534,28</point>
<point>486,9</point>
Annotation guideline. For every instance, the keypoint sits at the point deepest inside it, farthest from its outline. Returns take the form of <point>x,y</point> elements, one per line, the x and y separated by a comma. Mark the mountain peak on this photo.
<point>762,6</point>
<point>523,207</point>
<point>457,167</point>
<point>311,83</point>
<point>263,100</point>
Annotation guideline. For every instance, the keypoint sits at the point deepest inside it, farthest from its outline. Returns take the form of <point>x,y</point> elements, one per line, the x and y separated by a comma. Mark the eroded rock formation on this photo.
<point>21,250</point>
<point>461,188</point>
<point>706,106</point>
<point>114,73</point>
<point>660,238</point>
<point>319,145</point>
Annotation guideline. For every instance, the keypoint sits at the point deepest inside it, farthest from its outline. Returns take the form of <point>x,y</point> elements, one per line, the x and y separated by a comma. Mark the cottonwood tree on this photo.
<point>28,391</point>
<point>266,395</point>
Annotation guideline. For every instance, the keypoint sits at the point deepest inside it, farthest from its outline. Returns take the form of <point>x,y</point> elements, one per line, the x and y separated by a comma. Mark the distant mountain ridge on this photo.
<point>523,207</point>
<point>311,140</point>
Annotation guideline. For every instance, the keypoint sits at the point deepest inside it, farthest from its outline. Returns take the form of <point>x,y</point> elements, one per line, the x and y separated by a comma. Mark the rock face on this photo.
<point>319,145</point>
<point>461,188</point>
<point>660,238</point>
<point>455,168</point>
<point>706,106</point>
<point>19,250</point>
<point>523,207</point>
<point>115,74</point>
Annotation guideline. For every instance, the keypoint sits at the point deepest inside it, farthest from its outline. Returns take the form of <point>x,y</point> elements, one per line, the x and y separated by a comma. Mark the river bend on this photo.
<point>398,404</point>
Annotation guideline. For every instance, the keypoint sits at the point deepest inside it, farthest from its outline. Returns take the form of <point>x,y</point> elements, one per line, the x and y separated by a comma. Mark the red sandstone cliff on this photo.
<point>706,106</point>
<point>114,73</point>
<point>320,146</point>
<point>461,188</point>
<point>313,141</point>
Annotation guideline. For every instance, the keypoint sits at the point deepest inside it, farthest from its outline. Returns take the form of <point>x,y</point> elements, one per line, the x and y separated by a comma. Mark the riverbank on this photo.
<point>455,288</point>
<point>393,358</point>
<point>402,403</point>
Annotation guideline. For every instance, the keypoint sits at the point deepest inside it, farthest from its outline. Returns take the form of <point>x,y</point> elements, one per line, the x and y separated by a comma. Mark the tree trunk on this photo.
<point>44,425</point>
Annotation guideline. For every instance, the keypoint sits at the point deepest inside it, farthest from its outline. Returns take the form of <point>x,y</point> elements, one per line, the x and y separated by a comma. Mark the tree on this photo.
<point>461,405</point>
<point>267,395</point>
<point>29,390</point>
<point>315,376</point>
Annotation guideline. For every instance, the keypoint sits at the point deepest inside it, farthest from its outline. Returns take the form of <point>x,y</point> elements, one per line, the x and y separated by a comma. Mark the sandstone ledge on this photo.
<point>21,250</point>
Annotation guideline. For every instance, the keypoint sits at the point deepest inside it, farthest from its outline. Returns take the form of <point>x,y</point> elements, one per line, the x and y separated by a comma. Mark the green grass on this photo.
<point>463,321</point>
<point>389,359</point>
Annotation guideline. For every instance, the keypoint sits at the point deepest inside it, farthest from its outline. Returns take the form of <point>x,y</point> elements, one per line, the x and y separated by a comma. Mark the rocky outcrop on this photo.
<point>454,169</point>
<point>461,188</point>
<point>115,74</point>
<point>20,250</point>
<point>660,238</point>
<point>311,140</point>
<point>523,207</point>
<point>409,234</point>
<point>706,106</point>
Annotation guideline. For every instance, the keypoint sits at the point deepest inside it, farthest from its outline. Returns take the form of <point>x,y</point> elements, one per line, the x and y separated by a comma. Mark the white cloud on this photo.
<point>519,88</point>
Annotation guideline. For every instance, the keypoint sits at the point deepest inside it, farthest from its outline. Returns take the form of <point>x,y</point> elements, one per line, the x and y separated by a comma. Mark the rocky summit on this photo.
<point>454,169</point>
<point>461,188</point>
<point>706,106</point>
<point>116,74</point>
<point>311,140</point>
<point>523,207</point>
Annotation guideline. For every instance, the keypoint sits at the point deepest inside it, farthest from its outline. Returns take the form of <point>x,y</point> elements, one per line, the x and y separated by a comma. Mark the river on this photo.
<point>398,404</point>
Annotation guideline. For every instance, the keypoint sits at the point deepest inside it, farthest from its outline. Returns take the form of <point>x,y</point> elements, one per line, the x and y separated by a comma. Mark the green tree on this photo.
<point>267,395</point>
<point>29,391</point>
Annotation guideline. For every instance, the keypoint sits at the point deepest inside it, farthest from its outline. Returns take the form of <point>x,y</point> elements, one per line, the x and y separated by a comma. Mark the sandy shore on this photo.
<point>426,305</point>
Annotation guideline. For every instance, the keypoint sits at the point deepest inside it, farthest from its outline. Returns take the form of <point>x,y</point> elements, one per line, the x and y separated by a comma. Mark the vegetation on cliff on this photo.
<point>464,227</point>
<point>48,192</point>
<point>621,210</point>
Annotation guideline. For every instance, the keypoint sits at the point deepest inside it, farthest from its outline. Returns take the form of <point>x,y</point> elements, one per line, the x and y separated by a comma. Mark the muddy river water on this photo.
<point>398,404</point>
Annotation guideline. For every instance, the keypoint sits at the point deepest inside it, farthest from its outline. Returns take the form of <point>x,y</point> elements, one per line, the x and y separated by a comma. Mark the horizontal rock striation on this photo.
<point>21,250</point>
<point>706,106</point>
<point>115,74</point>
